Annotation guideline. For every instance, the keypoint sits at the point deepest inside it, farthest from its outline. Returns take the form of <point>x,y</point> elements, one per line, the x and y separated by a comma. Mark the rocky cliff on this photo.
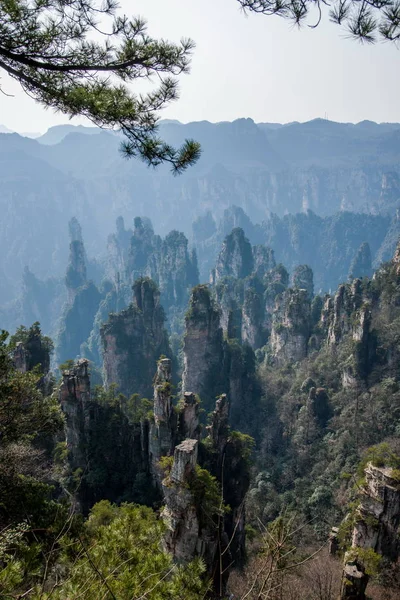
<point>196,515</point>
<point>291,327</point>
<point>361,265</point>
<point>134,339</point>
<point>118,452</point>
<point>76,270</point>
<point>168,261</point>
<point>203,348</point>
<point>376,528</point>
<point>236,257</point>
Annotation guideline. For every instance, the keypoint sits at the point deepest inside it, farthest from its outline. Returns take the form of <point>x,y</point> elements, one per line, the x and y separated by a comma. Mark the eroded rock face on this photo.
<point>163,429</point>
<point>105,442</point>
<point>203,348</point>
<point>183,535</point>
<point>229,297</point>
<point>361,265</point>
<point>20,358</point>
<point>396,258</point>
<point>354,581</point>
<point>167,261</point>
<point>76,270</point>
<point>263,260</point>
<point>33,352</point>
<point>133,340</point>
<point>303,279</point>
<point>185,461</point>
<point>219,427</point>
<point>74,396</point>
<point>254,332</point>
<point>376,528</point>
<point>118,245</point>
<point>347,300</point>
<point>236,257</point>
<point>378,516</point>
<point>189,418</point>
<point>77,321</point>
<point>291,326</point>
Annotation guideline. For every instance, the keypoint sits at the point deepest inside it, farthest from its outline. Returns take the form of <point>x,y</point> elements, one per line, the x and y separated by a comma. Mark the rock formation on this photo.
<point>76,270</point>
<point>361,265</point>
<point>303,279</point>
<point>196,523</point>
<point>177,271</point>
<point>134,339</point>
<point>163,432</point>
<point>229,298</point>
<point>203,348</point>
<point>143,245</point>
<point>167,261</point>
<point>189,426</point>
<point>74,396</point>
<point>254,329</point>
<point>32,352</point>
<point>263,260</point>
<point>236,257</point>
<point>183,537</point>
<point>108,445</point>
<point>291,326</point>
<point>376,528</point>
<point>77,321</point>
<point>347,300</point>
<point>118,245</point>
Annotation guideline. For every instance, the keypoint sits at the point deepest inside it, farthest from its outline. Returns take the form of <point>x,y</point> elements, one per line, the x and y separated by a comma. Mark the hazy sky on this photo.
<point>256,66</point>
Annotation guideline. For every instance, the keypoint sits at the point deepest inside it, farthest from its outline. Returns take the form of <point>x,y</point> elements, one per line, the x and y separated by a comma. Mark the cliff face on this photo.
<point>183,537</point>
<point>291,326</point>
<point>196,523</point>
<point>168,262</point>
<point>118,245</point>
<point>77,321</point>
<point>380,500</point>
<point>376,528</point>
<point>78,313</point>
<point>117,454</point>
<point>236,257</point>
<point>203,348</point>
<point>177,272</point>
<point>303,279</point>
<point>347,300</point>
<point>76,270</point>
<point>74,396</point>
<point>33,352</point>
<point>254,328</point>
<point>133,340</point>
<point>163,430</point>
<point>240,280</point>
<point>361,265</point>
<point>107,442</point>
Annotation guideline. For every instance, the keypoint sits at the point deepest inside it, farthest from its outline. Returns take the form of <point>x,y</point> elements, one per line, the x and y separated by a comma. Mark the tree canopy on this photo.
<point>78,57</point>
<point>365,20</point>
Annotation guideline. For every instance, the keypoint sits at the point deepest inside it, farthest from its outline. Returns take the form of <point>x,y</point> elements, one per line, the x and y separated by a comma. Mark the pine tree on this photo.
<point>65,57</point>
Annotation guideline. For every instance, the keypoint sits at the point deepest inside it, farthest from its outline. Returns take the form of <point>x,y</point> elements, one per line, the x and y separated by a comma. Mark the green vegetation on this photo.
<point>208,496</point>
<point>51,50</point>
<point>378,21</point>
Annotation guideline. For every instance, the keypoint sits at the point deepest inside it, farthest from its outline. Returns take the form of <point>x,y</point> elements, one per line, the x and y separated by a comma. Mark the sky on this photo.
<point>255,66</point>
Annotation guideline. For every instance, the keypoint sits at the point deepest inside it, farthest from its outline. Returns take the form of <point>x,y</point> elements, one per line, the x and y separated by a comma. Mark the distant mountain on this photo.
<point>265,169</point>
<point>4,129</point>
<point>55,135</point>
<point>31,134</point>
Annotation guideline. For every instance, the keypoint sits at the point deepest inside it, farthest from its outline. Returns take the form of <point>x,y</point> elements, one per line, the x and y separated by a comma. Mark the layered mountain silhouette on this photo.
<point>264,168</point>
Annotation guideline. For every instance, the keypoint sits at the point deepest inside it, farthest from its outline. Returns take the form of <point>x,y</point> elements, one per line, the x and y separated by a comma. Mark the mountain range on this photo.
<point>264,168</point>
